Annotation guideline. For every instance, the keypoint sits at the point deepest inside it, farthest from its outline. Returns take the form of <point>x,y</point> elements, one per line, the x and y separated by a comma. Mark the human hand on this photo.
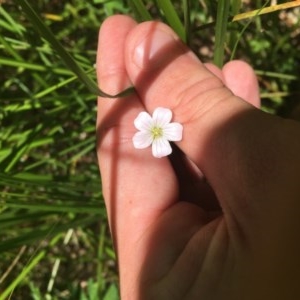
<point>233,235</point>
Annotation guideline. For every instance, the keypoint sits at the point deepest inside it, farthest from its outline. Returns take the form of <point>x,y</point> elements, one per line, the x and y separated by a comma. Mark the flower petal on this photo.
<point>142,140</point>
<point>173,132</point>
<point>162,116</point>
<point>143,121</point>
<point>161,147</point>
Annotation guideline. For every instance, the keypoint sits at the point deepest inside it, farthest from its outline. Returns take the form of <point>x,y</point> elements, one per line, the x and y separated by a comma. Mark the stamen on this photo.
<point>156,132</point>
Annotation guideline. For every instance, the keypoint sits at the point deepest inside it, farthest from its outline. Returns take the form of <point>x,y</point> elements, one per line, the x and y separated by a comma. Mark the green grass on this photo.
<point>55,241</point>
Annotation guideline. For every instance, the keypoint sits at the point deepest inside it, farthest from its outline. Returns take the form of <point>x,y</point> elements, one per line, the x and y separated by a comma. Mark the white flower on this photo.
<point>156,130</point>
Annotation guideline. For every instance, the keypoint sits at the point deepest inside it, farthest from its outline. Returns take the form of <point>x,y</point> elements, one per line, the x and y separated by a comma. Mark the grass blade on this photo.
<point>10,23</point>
<point>65,56</point>
<point>32,66</point>
<point>244,29</point>
<point>221,29</point>
<point>235,6</point>
<point>187,20</point>
<point>266,10</point>
<point>27,269</point>
<point>9,290</point>
<point>140,10</point>
<point>35,235</point>
<point>172,17</point>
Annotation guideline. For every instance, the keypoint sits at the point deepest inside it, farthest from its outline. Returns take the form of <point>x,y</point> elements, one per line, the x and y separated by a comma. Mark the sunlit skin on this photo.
<point>220,217</point>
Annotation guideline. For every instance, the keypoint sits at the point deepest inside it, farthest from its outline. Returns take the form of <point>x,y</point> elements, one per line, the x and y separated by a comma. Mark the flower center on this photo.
<point>156,132</point>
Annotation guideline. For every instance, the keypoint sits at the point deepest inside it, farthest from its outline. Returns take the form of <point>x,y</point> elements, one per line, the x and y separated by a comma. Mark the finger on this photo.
<point>240,78</point>
<point>111,126</point>
<point>137,187</point>
<point>120,163</point>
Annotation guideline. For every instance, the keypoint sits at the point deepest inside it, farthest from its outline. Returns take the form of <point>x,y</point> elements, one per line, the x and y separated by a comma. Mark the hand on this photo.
<point>233,234</point>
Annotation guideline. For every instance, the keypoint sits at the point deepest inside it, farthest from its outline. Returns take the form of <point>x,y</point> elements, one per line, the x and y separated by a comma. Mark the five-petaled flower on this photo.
<point>157,130</point>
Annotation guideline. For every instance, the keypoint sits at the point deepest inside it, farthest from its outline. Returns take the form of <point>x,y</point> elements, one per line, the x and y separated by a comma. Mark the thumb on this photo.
<point>166,73</point>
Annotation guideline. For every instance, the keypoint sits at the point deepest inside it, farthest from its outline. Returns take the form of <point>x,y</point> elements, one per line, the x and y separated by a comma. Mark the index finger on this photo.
<point>137,187</point>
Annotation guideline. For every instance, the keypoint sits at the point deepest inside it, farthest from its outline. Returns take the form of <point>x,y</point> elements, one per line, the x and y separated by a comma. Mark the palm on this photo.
<point>187,265</point>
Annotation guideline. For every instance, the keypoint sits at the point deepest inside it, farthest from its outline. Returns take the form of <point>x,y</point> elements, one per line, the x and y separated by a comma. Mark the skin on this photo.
<point>219,218</point>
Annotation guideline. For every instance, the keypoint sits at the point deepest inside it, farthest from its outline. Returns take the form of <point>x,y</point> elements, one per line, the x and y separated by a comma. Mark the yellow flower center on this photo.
<point>156,132</point>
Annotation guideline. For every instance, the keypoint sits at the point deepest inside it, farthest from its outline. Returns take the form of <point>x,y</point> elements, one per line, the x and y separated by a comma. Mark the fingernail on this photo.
<point>153,49</point>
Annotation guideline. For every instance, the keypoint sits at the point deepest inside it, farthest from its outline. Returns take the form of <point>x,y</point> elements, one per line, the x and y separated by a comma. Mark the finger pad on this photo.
<point>240,78</point>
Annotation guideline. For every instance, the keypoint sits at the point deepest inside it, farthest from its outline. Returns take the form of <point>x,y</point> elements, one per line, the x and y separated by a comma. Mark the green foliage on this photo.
<point>55,242</point>
<point>49,178</point>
